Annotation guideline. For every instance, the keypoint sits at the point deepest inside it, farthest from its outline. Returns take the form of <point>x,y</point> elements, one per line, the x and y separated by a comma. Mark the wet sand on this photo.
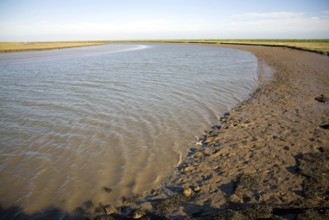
<point>272,151</point>
<point>267,158</point>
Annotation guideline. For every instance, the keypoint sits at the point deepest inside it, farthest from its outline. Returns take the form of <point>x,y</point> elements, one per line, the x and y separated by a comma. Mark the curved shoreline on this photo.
<point>274,45</point>
<point>267,158</point>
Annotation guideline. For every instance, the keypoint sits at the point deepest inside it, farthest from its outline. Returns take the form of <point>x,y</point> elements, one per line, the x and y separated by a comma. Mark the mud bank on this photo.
<point>267,158</point>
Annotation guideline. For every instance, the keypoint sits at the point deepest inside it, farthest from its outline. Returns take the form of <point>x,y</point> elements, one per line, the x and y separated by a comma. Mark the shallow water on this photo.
<point>74,121</point>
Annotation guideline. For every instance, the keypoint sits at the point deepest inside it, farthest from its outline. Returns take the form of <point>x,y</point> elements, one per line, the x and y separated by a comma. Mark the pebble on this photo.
<point>107,189</point>
<point>196,188</point>
<point>209,140</point>
<point>322,99</point>
<point>137,214</point>
<point>110,210</point>
<point>217,127</point>
<point>198,154</point>
<point>187,169</point>
<point>226,114</point>
<point>188,192</point>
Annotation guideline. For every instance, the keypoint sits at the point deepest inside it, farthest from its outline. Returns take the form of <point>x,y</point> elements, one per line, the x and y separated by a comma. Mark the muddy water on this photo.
<point>121,116</point>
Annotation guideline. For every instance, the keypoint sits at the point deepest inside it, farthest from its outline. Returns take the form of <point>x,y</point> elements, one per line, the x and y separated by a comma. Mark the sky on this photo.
<point>58,20</point>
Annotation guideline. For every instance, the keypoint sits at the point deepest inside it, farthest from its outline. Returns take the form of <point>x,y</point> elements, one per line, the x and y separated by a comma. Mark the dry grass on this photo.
<point>320,46</point>
<point>23,46</point>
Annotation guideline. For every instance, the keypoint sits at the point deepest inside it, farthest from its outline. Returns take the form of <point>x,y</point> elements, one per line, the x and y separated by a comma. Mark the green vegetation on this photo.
<point>23,46</point>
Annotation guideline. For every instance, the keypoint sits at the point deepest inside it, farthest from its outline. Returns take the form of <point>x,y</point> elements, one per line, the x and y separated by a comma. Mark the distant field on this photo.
<point>22,46</point>
<point>320,46</point>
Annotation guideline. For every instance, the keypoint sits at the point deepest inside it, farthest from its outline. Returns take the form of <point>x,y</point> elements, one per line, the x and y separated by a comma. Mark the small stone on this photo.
<point>196,188</point>
<point>226,114</point>
<point>137,214</point>
<point>216,127</point>
<point>322,99</point>
<point>209,140</point>
<point>187,169</point>
<point>154,192</point>
<point>110,210</point>
<point>107,189</point>
<point>188,192</point>
<point>206,177</point>
<point>192,150</point>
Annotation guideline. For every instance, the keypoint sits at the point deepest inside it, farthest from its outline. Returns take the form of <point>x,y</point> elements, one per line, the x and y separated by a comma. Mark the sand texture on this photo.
<point>273,150</point>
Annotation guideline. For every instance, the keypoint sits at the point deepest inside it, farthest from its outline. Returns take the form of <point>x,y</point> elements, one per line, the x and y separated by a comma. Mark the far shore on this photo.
<point>31,46</point>
<point>320,46</point>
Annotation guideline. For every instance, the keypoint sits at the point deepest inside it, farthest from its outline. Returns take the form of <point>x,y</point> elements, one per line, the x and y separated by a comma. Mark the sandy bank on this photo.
<point>271,152</point>
<point>273,149</point>
<point>268,157</point>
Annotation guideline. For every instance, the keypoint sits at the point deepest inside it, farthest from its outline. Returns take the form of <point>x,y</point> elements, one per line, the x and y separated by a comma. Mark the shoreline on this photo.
<point>283,46</point>
<point>266,158</point>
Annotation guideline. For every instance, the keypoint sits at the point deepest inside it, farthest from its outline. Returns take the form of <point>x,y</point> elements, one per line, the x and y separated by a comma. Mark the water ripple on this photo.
<point>120,115</point>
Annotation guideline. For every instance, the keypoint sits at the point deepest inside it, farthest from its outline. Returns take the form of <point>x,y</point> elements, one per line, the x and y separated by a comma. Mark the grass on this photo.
<point>24,46</point>
<point>313,45</point>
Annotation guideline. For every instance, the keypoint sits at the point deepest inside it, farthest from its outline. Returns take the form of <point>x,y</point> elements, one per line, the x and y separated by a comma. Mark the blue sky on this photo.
<point>46,20</point>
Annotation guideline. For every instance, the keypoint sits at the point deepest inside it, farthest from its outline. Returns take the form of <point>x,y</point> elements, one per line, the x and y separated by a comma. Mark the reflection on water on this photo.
<point>74,121</point>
